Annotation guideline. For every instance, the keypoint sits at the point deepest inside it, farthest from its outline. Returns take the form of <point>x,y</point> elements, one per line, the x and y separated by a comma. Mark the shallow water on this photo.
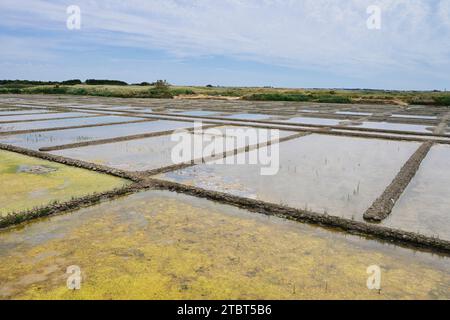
<point>19,112</point>
<point>337,175</point>
<point>199,113</point>
<point>316,121</point>
<point>21,189</point>
<point>44,116</point>
<point>249,116</point>
<point>424,207</point>
<point>118,107</point>
<point>397,135</point>
<point>354,113</point>
<point>161,245</point>
<point>410,116</point>
<point>309,111</point>
<point>53,138</point>
<point>149,153</point>
<point>396,126</point>
<point>64,123</point>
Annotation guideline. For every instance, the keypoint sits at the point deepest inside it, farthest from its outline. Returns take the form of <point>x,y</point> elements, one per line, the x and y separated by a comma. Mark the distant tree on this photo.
<point>27,82</point>
<point>95,82</point>
<point>71,82</point>
<point>161,84</point>
<point>160,89</point>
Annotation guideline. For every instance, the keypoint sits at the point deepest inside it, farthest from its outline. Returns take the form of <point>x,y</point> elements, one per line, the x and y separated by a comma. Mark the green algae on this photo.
<point>161,245</point>
<point>28,182</point>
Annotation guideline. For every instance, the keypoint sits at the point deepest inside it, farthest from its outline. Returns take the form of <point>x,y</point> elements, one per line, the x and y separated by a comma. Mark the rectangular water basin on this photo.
<point>199,113</point>
<point>63,123</point>
<point>54,138</point>
<point>163,245</point>
<point>354,113</point>
<point>152,153</point>
<point>26,182</point>
<point>424,206</point>
<point>249,116</point>
<point>410,116</point>
<point>324,174</point>
<point>44,116</point>
<point>20,112</point>
<point>315,121</point>
<point>395,126</point>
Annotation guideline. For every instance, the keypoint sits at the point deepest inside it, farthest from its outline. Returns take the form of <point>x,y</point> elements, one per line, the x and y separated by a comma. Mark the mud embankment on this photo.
<point>382,207</point>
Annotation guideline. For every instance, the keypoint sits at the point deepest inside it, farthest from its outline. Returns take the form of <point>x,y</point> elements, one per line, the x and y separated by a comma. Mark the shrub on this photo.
<point>71,82</point>
<point>79,91</point>
<point>96,82</point>
<point>278,97</point>
<point>10,90</point>
<point>46,90</point>
<point>177,92</point>
<point>332,99</point>
<point>442,100</point>
<point>159,93</point>
<point>161,84</point>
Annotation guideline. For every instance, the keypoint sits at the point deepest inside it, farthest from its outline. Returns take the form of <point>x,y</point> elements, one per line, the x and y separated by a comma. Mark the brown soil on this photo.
<point>383,206</point>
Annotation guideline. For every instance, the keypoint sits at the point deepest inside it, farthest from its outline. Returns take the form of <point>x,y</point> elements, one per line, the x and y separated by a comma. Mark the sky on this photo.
<point>280,43</point>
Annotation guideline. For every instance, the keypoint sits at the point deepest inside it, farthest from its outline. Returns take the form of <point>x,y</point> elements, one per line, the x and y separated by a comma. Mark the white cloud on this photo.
<point>311,34</point>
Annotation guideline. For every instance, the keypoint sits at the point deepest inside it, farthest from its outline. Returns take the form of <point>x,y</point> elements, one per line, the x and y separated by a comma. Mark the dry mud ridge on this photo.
<point>383,206</point>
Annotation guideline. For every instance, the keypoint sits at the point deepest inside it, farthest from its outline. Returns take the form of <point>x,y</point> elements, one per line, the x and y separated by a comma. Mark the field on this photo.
<point>353,96</point>
<point>89,179</point>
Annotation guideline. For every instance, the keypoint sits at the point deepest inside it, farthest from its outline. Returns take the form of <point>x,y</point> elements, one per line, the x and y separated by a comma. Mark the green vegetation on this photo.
<point>438,100</point>
<point>277,97</point>
<point>162,89</point>
<point>13,83</point>
<point>96,82</point>
<point>71,82</point>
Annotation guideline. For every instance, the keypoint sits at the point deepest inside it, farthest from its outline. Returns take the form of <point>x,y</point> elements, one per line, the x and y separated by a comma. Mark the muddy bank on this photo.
<point>396,236</point>
<point>442,127</point>
<point>382,206</point>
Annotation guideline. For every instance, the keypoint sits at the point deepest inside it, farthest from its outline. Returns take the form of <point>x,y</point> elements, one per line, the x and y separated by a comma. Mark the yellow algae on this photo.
<point>27,182</point>
<point>162,245</point>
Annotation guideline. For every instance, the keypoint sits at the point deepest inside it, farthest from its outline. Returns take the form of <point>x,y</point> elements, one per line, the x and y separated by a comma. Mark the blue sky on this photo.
<point>281,43</point>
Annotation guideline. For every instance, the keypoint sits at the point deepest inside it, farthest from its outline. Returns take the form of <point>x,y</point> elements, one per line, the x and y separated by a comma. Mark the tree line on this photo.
<point>78,81</point>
